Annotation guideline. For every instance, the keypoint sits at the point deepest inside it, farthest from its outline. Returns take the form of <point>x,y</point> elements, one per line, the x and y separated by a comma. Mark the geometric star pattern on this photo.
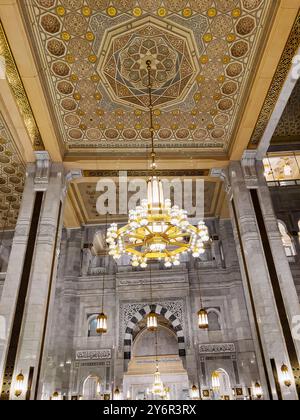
<point>96,89</point>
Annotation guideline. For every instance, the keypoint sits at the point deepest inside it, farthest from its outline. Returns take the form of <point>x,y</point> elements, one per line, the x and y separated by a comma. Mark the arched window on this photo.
<point>92,327</point>
<point>287,241</point>
<point>213,321</point>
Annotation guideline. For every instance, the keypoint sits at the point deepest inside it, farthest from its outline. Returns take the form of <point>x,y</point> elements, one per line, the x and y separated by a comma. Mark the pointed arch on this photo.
<point>140,315</point>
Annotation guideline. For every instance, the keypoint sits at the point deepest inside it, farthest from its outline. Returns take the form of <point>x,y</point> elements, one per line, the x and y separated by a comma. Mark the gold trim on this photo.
<point>19,93</point>
<point>278,81</point>
<point>145,174</point>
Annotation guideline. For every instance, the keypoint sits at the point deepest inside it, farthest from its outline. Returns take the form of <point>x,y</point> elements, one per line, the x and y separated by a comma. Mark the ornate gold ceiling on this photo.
<point>12,175</point>
<point>288,129</point>
<point>83,194</point>
<point>93,53</point>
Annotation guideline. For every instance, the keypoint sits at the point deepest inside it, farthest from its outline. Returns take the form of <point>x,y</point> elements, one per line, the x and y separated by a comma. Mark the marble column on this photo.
<point>241,178</point>
<point>47,177</point>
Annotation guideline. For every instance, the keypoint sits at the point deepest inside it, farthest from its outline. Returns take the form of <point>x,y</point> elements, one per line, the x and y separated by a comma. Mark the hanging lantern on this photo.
<point>158,386</point>
<point>101,324</point>
<point>117,394</point>
<point>152,322</point>
<point>55,396</point>
<point>203,319</point>
<point>286,377</point>
<point>19,385</point>
<point>156,230</point>
<point>195,393</point>
<point>215,378</point>
<point>258,393</point>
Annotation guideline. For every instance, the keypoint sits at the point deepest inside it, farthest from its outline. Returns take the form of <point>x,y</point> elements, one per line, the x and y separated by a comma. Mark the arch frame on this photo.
<point>140,315</point>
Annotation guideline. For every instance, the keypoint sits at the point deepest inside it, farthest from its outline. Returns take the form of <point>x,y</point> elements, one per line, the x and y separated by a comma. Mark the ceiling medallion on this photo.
<point>173,54</point>
<point>156,230</point>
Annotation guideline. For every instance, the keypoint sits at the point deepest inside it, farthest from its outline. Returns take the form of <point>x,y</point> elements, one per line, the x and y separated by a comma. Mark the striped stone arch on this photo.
<point>141,314</point>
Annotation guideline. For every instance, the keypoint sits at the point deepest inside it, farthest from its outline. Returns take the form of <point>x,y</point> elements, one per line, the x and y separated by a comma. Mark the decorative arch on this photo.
<point>213,312</point>
<point>92,324</point>
<point>89,387</point>
<point>140,315</point>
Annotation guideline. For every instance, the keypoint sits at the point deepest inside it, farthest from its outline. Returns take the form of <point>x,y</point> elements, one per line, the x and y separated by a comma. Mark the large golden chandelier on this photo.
<point>156,230</point>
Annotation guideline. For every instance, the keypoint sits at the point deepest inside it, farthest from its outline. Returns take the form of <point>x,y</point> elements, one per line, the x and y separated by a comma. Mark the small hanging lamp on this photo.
<point>19,385</point>
<point>203,319</point>
<point>258,393</point>
<point>195,393</point>
<point>286,377</point>
<point>55,396</point>
<point>152,318</point>
<point>102,318</point>
<point>117,394</point>
<point>202,314</point>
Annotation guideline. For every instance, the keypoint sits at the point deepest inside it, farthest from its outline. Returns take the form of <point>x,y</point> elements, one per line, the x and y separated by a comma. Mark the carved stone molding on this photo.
<point>217,348</point>
<point>249,168</point>
<point>128,311</point>
<point>93,354</point>
<point>42,173</point>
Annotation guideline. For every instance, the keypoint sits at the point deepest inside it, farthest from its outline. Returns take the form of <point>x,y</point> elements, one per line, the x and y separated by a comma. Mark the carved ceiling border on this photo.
<point>278,81</point>
<point>19,93</point>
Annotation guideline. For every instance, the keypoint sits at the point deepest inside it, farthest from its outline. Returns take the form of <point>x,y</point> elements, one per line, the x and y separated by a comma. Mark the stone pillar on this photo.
<point>34,255</point>
<point>262,300</point>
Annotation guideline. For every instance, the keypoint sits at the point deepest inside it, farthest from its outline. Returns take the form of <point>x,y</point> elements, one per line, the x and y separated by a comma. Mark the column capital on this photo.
<point>248,163</point>
<point>224,175</point>
<point>42,170</point>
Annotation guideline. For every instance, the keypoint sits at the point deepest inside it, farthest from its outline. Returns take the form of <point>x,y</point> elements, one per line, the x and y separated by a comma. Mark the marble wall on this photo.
<point>286,201</point>
<point>74,353</point>
<point>6,240</point>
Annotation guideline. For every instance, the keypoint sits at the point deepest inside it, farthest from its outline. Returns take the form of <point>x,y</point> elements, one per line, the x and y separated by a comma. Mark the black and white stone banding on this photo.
<point>140,315</point>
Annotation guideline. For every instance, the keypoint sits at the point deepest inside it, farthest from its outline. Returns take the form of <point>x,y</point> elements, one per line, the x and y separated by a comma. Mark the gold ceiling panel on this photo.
<point>288,129</point>
<point>12,175</point>
<point>203,53</point>
<point>83,194</point>
<point>282,71</point>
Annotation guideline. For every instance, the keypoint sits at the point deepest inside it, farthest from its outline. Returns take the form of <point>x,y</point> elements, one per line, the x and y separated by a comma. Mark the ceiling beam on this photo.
<point>16,34</point>
<point>275,45</point>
